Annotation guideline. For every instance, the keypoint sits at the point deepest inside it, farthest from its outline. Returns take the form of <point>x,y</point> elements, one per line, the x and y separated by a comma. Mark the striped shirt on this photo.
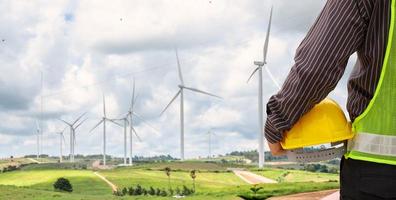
<point>342,28</point>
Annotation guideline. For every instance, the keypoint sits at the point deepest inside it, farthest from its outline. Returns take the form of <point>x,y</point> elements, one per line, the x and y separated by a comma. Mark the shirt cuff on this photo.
<point>271,133</point>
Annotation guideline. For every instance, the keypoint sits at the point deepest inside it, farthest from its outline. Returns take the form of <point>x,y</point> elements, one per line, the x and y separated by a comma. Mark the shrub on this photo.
<point>151,191</point>
<point>117,193</point>
<point>131,191</point>
<point>124,191</point>
<point>63,184</point>
<point>138,190</point>
<point>163,193</point>
<point>186,191</point>
<point>178,191</point>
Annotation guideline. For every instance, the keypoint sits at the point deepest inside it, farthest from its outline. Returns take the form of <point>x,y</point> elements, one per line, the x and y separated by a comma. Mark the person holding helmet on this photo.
<point>367,27</point>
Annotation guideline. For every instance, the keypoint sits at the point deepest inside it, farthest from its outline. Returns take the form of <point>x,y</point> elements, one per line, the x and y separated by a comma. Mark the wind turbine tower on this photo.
<point>259,70</point>
<point>38,139</point>
<point>210,134</point>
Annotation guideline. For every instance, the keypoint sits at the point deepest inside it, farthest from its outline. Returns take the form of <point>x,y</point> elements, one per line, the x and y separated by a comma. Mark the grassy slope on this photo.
<point>83,181</point>
<point>15,162</point>
<point>297,176</point>
<point>125,177</point>
<point>16,193</point>
<point>185,166</point>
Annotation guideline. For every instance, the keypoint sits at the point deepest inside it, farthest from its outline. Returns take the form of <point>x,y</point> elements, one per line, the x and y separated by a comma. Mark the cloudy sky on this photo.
<point>86,48</point>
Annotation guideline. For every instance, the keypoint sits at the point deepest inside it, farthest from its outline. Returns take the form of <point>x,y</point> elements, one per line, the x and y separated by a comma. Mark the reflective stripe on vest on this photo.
<point>374,144</point>
<point>375,128</point>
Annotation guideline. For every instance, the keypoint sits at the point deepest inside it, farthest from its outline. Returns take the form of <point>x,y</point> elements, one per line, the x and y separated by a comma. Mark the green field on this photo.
<point>292,176</point>
<point>207,183</point>
<point>83,181</point>
<point>213,181</point>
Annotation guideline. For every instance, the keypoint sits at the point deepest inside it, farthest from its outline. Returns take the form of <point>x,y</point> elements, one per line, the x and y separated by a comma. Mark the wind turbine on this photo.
<point>210,133</point>
<point>61,140</point>
<point>181,93</point>
<point>38,139</point>
<point>259,69</point>
<point>73,128</point>
<point>129,119</point>
<point>103,120</point>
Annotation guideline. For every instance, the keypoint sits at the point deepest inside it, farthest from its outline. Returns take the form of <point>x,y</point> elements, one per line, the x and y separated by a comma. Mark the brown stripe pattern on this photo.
<point>342,28</point>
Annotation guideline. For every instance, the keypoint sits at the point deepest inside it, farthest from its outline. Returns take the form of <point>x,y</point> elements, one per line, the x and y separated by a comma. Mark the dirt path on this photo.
<point>34,160</point>
<point>320,195</point>
<point>252,178</point>
<point>113,187</point>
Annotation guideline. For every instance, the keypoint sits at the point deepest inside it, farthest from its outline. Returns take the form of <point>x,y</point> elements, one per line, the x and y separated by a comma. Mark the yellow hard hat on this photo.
<point>324,123</point>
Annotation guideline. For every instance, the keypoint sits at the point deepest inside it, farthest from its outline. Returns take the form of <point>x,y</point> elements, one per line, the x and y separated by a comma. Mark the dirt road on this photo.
<point>34,160</point>
<point>252,178</point>
<point>113,187</point>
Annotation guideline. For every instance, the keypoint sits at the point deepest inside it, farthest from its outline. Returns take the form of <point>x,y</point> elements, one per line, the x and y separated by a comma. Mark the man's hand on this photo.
<point>276,149</point>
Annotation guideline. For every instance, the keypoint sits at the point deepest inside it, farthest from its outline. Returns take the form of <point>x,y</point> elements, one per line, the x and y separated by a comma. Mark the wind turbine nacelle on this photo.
<point>259,63</point>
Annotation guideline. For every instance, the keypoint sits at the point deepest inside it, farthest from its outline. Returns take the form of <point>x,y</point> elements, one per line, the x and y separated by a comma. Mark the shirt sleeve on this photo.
<point>320,62</point>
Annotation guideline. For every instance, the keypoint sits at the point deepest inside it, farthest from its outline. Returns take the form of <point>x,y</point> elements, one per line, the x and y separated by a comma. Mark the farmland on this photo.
<point>213,181</point>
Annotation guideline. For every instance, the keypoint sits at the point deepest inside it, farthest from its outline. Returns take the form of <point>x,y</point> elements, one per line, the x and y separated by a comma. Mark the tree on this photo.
<point>193,176</point>
<point>63,184</point>
<point>167,171</point>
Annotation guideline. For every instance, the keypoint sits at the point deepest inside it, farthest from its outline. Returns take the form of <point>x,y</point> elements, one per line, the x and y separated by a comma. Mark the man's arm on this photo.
<point>320,62</point>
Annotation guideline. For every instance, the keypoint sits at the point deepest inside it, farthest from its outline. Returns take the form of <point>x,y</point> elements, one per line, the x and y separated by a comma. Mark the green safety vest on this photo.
<point>375,128</point>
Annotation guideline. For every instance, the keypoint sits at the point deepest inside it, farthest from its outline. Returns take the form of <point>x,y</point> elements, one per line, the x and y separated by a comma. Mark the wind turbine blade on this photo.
<point>65,122</point>
<point>64,130</point>
<point>37,126</point>
<point>114,122</point>
<point>134,131</point>
<point>251,75</point>
<point>200,91</point>
<point>272,77</point>
<point>179,68</point>
<point>104,106</point>
<point>144,122</point>
<point>173,99</point>
<point>267,39</point>
<point>78,118</point>
<point>134,100</point>
<point>80,123</point>
<point>123,115</point>
<point>96,125</point>
<point>133,96</point>
<point>64,140</point>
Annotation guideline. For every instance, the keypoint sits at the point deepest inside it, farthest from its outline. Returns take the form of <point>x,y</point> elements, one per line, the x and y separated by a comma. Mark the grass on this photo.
<point>83,181</point>
<point>126,177</point>
<point>212,182</point>
<point>184,166</point>
<point>280,189</point>
<point>22,193</point>
<point>282,175</point>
